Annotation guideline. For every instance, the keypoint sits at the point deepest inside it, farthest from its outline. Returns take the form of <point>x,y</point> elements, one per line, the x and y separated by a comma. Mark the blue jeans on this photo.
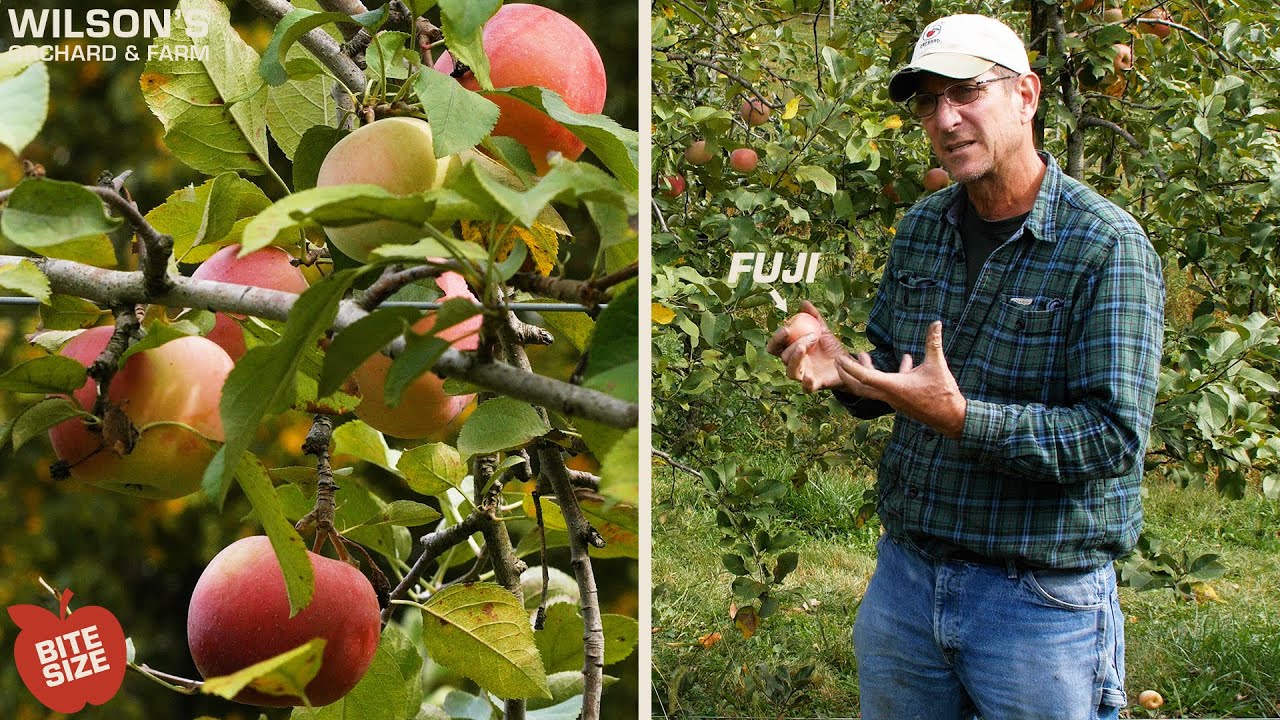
<point>938,639</point>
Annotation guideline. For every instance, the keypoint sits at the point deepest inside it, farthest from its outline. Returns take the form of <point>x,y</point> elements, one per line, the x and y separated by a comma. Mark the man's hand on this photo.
<point>927,392</point>
<point>810,358</point>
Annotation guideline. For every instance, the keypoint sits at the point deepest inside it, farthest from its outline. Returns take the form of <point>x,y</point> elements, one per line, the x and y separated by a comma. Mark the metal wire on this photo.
<point>525,306</point>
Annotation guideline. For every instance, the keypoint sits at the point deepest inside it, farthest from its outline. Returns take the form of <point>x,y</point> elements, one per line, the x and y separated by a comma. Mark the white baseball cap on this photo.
<point>960,47</point>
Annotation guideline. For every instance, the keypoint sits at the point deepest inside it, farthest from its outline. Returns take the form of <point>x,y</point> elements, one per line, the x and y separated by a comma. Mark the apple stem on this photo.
<point>63,601</point>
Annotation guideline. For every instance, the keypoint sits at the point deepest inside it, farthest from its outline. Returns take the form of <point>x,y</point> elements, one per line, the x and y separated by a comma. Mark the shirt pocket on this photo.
<point>1024,359</point>
<point>919,302</point>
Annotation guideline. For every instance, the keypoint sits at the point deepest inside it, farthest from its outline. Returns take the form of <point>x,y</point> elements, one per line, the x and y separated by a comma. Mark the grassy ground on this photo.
<point>1217,658</point>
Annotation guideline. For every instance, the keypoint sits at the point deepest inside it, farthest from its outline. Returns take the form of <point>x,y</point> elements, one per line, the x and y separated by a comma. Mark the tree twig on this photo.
<point>324,48</point>
<point>433,544</point>
<point>723,71</point>
<point>1091,121</point>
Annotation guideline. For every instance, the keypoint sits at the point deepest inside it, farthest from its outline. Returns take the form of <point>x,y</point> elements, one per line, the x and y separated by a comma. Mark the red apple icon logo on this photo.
<point>68,660</point>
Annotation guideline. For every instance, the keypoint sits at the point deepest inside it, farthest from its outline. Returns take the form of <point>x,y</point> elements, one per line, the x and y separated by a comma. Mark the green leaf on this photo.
<point>262,381</point>
<point>285,674</point>
<point>385,56</point>
<point>24,98</point>
<point>820,177</point>
<point>462,22</point>
<point>787,563</point>
<point>50,374</point>
<point>566,182</point>
<point>61,220</point>
<point>560,639</point>
<point>336,205</point>
<point>404,513</point>
<point>313,146</point>
<point>360,340</point>
<point>205,216</point>
<point>420,353</point>
<point>358,439</point>
<point>734,564</point>
<point>298,23</point>
<point>500,424</point>
<point>459,118</point>
<point>290,550</point>
<point>26,278</point>
<point>213,109</point>
<point>465,706</point>
<point>432,468</point>
<point>566,701</point>
<point>298,105</point>
<point>391,688</point>
<point>157,335</point>
<point>613,368</point>
<point>68,312</point>
<point>482,631</point>
<point>38,418</point>
<point>617,147</point>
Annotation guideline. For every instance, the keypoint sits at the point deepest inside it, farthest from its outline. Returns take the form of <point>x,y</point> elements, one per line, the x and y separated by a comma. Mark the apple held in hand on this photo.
<point>802,324</point>
<point>239,616</point>
<point>68,660</point>
<point>534,45</point>
<point>170,394</point>
<point>270,267</point>
<point>424,409</point>
<point>396,154</point>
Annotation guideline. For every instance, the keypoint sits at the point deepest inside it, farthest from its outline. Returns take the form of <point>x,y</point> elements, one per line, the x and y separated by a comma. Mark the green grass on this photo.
<point>1208,659</point>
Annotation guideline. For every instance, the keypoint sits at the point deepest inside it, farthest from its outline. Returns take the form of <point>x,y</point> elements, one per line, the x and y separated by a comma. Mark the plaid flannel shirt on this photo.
<point>1057,354</point>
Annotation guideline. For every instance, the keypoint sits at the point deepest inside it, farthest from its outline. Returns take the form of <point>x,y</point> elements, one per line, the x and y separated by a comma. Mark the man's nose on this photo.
<point>947,116</point>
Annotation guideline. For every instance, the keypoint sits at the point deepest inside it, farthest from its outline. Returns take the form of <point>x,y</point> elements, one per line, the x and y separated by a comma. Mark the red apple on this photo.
<point>1160,30</point>
<point>672,185</point>
<point>424,410</point>
<point>396,154</point>
<point>1124,57</point>
<point>753,112</point>
<point>698,153</point>
<point>68,660</point>
<point>534,45</point>
<point>270,267</point>
<point>1112,15</point>
<point>935,179</point>
<point>160,390</point>
<point>1084,5</point>
<point>802,324</point>
<point>239,615</point>
<point>744,160</point>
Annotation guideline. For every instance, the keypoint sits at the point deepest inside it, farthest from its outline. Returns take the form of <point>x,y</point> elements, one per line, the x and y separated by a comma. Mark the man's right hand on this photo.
<point>809,350</point>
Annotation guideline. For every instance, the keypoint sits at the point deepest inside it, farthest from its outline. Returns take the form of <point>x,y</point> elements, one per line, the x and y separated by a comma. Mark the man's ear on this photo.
<point>1028,92</point>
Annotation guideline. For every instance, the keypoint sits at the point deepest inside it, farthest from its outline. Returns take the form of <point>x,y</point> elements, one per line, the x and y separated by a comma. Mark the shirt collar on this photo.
<point>1042,222</point>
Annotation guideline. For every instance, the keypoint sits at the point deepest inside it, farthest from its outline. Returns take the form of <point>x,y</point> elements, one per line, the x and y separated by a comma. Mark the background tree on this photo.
<point>1185,140</point>
<point>549,452</point>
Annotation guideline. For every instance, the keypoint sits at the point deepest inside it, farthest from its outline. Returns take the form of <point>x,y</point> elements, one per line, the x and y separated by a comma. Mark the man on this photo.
<point>1017,337</point>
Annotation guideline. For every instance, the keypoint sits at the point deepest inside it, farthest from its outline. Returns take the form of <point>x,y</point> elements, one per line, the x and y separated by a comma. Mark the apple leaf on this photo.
<point>262,381</point>
<point>68,312</point>
<point>285,674</point>
<point>201,218</point>
<point>358,439</point>
<point>459,705</point>
<point>40,417</point>
<point>385,57</point>
<point>482,631</point>
<point>821,178</point>
<point>213,109</point>
<point>49,374</point>
<point>60,220</point>
<point>566,182</point>
<point>617,147</point>
<point>552,518</point>
<point>298,23</point>
<point>26,278</point>
<point>359,341</point>
<point>560,639</point>
<point>312,148</point>
<point>355,503</point>
<point>24,98</point>
<point>459,118</point>
<point>290,550</point>
<point>432,468</point>
<point>157,334</point>
<point>391,688</point>
<point>566,697</point>
<point>500,424</point>
<point>337,205</point>
<point>612,368</point>
<point>462,22</point>
<point>620,468</point>
<point>402,513</point>
<point>419,354</point>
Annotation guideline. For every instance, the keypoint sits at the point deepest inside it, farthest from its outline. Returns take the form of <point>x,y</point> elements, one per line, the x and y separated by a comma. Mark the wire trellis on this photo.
<point>517,306</point>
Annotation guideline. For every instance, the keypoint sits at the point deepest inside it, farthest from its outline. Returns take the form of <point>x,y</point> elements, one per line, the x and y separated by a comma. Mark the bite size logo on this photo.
<point>69,659</point>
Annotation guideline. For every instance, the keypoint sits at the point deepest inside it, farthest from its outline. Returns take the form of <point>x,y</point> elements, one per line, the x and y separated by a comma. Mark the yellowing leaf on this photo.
<point>662,314</point>
<point>893,122</point>
<point>747,621</point>
<point>542,241</point>
<point>709,640</point>
<point>285,674</point>
<point>552,518</point>
<point>793,107</point>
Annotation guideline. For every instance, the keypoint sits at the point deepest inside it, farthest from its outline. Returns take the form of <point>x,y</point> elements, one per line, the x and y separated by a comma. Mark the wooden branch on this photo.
<point>433,546</point>
<point>112,288</point>
<point>324,48</point>
<point>721,69</point>
<point>506,566</point>
<point>346,7</point>
<point>1090,121</point>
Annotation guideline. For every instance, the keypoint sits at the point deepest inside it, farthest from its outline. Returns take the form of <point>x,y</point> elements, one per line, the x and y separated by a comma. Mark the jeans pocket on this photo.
<point>1067,589</point>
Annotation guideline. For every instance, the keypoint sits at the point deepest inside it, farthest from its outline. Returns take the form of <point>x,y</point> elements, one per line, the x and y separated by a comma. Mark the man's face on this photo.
<point>973,141</point>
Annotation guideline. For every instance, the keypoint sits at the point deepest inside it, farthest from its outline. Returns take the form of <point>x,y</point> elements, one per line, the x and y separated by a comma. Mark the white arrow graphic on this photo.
<point>778,300</point>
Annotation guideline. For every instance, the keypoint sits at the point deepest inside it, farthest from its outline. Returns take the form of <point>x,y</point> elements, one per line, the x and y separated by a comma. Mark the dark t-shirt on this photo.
<point>982,237</point>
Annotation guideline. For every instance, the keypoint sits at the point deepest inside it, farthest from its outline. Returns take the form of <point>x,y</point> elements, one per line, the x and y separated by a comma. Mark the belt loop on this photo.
<point>1011,569</point>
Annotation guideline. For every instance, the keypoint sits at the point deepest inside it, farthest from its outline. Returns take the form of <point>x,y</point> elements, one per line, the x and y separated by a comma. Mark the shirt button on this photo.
<point>913,492</point>
<point>1021,325</point>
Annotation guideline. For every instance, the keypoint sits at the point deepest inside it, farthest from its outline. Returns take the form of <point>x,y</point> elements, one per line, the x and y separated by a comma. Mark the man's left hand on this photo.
<point>926,392</point>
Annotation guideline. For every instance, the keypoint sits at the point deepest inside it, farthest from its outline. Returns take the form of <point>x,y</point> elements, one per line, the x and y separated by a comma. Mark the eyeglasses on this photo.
<point>922,105</point>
